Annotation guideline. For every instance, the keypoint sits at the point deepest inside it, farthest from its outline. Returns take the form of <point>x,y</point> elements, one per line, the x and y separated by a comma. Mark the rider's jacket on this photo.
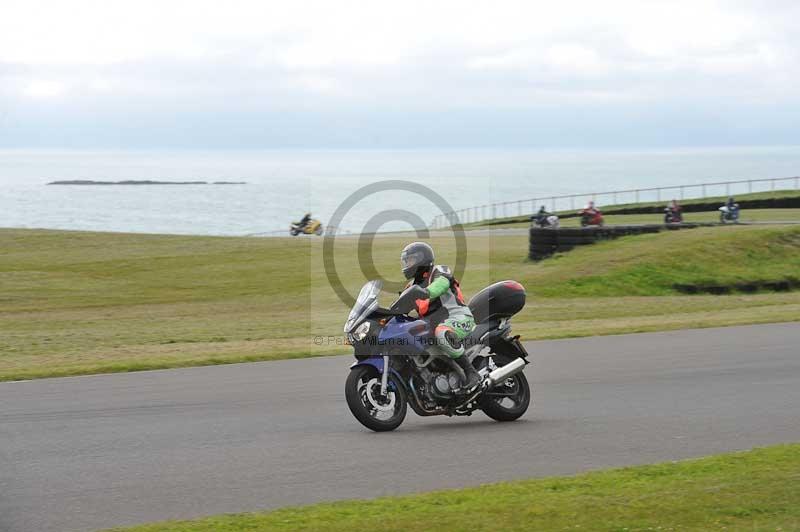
<point>444,296</point>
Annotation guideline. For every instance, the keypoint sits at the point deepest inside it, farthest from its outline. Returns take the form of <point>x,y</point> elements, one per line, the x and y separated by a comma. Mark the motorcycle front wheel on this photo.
<point>509,399</point>
<point>376,412</point>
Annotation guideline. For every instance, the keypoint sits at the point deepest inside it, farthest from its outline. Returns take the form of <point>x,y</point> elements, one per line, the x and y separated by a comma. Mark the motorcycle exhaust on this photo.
<point>501,374</point>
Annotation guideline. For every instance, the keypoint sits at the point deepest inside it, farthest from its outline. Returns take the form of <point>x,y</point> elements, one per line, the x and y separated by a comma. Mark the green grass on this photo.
<point>650,264</point>
<point>754,490</point>
<point>76,303</point>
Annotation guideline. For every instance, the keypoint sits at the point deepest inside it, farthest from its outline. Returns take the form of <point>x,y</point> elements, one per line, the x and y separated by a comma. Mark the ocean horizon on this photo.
<point>281,185</point>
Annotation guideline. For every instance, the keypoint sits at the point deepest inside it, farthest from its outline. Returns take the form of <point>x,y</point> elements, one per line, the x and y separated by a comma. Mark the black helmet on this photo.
<point>416,257</point>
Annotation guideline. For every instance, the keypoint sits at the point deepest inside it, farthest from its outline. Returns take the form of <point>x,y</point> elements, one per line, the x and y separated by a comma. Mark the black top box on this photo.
<point>499,300</point>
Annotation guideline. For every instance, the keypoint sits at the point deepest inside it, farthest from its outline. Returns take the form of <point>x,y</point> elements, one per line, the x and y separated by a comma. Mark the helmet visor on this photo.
<point>409,260</point>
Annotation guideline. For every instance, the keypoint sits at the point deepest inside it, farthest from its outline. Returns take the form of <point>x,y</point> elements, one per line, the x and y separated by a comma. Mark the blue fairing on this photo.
<point>406,333</point>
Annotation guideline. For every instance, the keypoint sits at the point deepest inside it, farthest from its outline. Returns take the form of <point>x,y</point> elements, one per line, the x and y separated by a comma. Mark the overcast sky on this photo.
<point>262,74</point>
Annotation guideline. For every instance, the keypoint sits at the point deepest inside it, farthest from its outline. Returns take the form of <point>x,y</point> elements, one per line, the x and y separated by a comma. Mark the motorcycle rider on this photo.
<point>733,209</point>
<point>589,215</point>
<point>304,220</point>
<point>541,216</point>
<point>675,209</point>
<point>444,307</point>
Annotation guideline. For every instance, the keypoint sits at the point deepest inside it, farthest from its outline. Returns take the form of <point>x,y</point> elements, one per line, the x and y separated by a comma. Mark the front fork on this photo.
<point>382,364</point>
<point>385,376</point>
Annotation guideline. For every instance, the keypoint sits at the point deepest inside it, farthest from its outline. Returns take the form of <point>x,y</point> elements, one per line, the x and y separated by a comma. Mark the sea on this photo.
<point>362,188</point>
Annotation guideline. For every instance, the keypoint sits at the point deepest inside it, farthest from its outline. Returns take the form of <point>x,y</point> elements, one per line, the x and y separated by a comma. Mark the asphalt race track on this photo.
<point>91,452</point>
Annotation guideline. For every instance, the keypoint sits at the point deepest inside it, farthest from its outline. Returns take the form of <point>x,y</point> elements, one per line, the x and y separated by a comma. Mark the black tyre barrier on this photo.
<point>780,285</point>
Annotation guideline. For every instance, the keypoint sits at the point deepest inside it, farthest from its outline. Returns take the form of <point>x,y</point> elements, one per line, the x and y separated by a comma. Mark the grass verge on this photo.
<point>753,490</point>
<point>76,303</point>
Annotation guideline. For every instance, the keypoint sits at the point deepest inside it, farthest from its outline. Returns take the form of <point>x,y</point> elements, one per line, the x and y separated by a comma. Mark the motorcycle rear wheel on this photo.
<point>362,391</point>
<point>508,400</point>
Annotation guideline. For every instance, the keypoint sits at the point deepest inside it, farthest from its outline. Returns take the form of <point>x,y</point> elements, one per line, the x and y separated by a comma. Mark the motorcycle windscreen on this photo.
<point>366,303</point>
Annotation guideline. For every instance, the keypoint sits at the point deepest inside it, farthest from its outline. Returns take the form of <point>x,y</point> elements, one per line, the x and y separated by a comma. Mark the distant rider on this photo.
<point>590,209</point>
<point>541,216</point>
<point>733,209</point>
<point>444,307</point>
<point>304,220</point>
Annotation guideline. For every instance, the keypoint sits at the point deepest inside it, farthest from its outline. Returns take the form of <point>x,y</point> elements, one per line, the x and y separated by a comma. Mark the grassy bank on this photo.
<point>76,303</point>
<point>754,490</point>
<point>651,264</point>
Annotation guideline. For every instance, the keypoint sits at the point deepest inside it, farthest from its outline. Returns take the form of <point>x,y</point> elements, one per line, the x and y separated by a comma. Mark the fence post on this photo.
<point>728,189</point>
<point>749,185</point>
<point>681,192</point>
<point>704,192</point>
<point>772,184</point>
<point>658,195</point>
<point>519,208</point>
<point>572,203</point>
<point>797,182</point>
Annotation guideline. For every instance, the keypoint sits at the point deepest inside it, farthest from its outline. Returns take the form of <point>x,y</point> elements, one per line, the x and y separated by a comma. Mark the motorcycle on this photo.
<point>729,214</point>
<point>591,217</point>
<point>672,216</point>
<point>313,227</point>
<point>550,221</point>
<point>397,364</point>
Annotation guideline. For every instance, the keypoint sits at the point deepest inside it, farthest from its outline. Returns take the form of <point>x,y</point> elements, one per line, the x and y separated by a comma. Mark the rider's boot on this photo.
<point>473,377</point>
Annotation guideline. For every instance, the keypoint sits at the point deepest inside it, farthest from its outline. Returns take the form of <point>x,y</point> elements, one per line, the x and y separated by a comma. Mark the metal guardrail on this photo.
<point>572,202</point>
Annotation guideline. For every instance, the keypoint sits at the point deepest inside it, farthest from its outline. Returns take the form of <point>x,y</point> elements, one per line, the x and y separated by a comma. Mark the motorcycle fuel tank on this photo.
<point>406,332</point>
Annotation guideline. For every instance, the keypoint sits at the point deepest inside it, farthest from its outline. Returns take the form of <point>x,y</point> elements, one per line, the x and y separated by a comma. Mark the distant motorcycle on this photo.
<point>313,227</point>
<point>672,216</point>
<point>550,221</point>
<point>590,217</point>
<point>729,213</point>
<point>396,368</point>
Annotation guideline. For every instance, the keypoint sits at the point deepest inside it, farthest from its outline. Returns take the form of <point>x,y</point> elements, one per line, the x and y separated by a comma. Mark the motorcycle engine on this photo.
<point>439,386</point>
<point>444,384</point>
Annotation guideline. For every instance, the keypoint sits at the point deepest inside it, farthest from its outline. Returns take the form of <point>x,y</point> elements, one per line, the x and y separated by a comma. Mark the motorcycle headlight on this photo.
<point>361,332</point>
